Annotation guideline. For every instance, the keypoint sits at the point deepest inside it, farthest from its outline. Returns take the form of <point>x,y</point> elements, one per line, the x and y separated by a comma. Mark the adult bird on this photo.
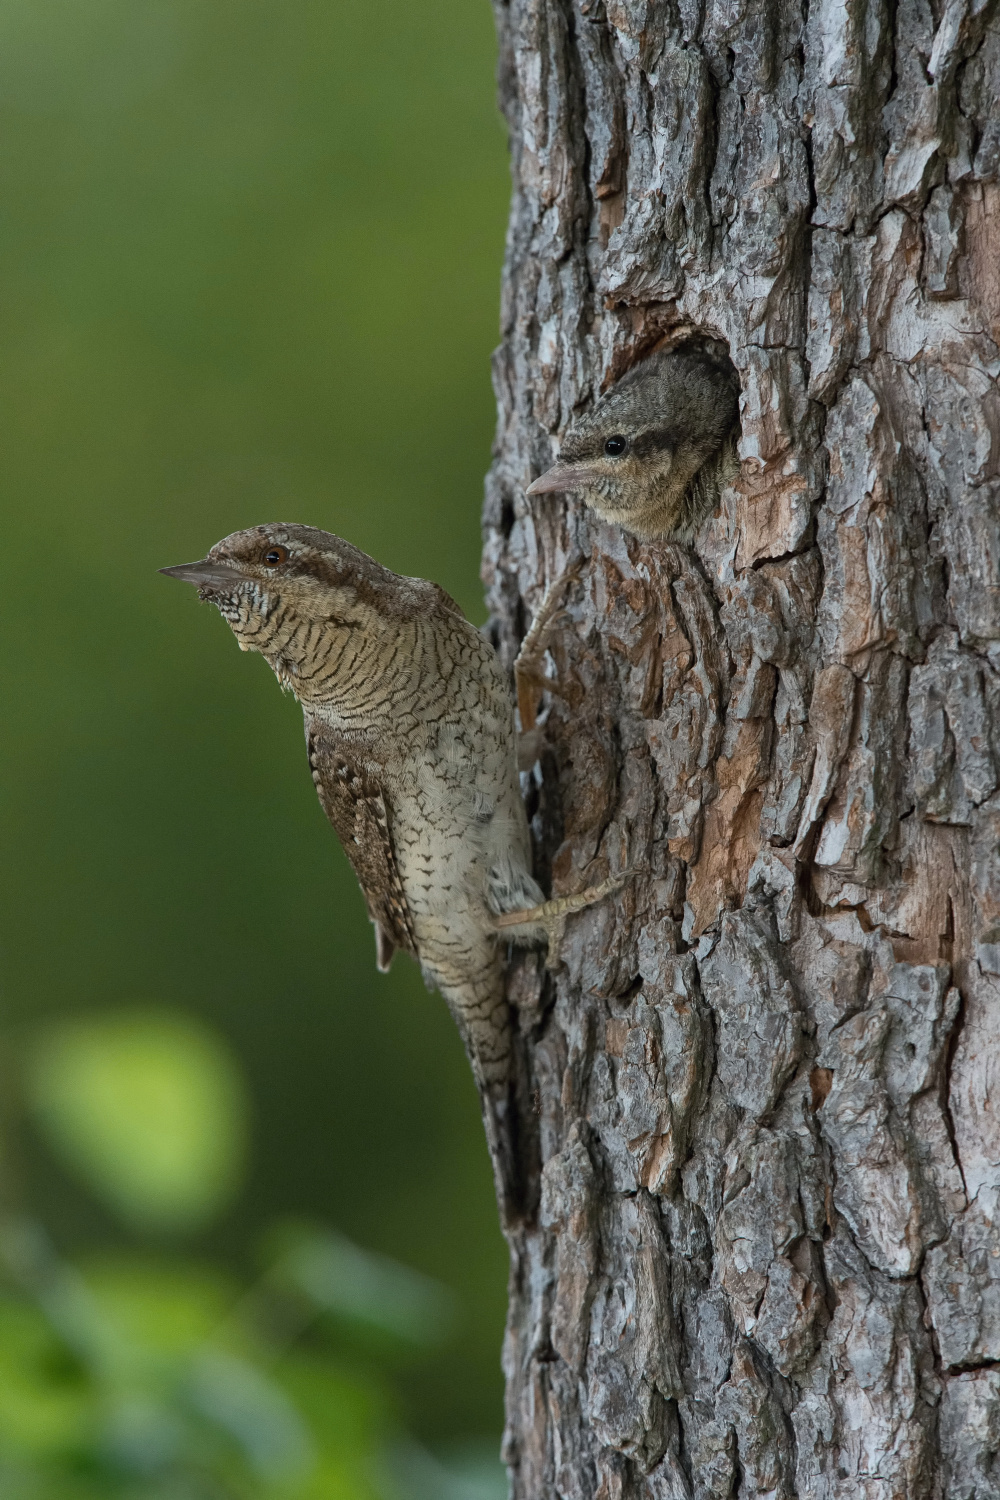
<point>410,733</point>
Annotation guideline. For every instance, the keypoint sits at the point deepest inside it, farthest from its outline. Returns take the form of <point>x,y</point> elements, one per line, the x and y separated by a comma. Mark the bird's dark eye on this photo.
<point>275,556</point>
<point>615,446</point>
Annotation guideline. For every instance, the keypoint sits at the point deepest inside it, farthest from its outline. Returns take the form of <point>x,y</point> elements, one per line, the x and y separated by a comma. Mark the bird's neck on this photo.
<point>348,673</point>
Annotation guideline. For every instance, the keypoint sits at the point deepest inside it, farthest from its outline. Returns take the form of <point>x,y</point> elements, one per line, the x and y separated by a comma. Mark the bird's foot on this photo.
<point>551,916</point>
<point>530,747</point>
<point>529,673</point>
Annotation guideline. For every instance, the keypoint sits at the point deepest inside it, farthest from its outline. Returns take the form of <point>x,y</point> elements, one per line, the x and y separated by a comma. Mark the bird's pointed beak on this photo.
<point>204,574</point>
<point>563,477</point>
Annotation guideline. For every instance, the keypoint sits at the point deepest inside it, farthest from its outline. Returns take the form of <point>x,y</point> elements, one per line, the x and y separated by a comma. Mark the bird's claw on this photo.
<point>551,915</point>
<point>529,748</point>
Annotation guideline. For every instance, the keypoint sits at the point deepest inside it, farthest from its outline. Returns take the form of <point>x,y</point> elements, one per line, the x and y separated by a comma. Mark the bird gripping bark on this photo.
<point>410,732</point>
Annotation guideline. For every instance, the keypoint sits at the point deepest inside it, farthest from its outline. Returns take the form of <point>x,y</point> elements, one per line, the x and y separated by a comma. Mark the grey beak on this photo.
<point>563,477</point>
<point>204,574</point>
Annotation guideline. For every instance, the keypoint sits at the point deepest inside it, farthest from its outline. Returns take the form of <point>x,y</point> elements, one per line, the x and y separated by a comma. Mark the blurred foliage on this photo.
<point>150,1110</point>
<point>138,1376</point>
<point>249,269</point>
<point>138,1379</point>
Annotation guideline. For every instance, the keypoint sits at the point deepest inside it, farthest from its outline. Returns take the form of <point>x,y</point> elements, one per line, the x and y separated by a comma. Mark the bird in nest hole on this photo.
<point>411,740</point>
<point>654,451</point>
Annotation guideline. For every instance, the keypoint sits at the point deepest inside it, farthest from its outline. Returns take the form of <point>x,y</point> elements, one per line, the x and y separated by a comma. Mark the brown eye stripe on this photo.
<point>654,441</point>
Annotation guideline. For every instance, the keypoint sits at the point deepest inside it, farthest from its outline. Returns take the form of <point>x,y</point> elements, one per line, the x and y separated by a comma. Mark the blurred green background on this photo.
<point>249,271</point>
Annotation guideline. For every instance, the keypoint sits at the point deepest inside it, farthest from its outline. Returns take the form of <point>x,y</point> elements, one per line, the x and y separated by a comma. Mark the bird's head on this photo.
<point>291,592</point>
<point>639,457</point>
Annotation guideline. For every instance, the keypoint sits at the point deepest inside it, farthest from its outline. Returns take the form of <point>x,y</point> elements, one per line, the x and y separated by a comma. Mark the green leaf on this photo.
<point>169,1308</point>
<point>148,1108</point>
<point>243,1401</point>
<point>348,1418</point>
<point>340,1277</point>
<point>46,1405</point>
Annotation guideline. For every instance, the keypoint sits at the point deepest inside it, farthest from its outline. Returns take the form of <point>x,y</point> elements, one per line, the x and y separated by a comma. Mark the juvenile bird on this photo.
<point>410,733</point>
<point>652,453</point>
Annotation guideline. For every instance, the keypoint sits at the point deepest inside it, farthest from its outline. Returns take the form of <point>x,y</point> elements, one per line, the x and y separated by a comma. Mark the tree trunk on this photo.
<point>764,1252</point>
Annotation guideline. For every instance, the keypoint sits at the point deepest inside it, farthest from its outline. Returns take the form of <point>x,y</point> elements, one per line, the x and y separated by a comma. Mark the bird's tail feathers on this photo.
<point>483,1018</point>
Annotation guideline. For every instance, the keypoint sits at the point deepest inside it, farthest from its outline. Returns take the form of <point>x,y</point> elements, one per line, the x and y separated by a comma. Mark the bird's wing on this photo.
<point>360,813</point>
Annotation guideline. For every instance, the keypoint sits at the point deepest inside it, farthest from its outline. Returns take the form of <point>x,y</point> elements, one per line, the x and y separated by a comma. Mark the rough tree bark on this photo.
<point>764,1253</point>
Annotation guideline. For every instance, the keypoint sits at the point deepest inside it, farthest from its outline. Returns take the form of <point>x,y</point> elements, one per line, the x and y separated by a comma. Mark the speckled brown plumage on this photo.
<point>355,805</point>
<point>650,455</point>
<point>410,732</point>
